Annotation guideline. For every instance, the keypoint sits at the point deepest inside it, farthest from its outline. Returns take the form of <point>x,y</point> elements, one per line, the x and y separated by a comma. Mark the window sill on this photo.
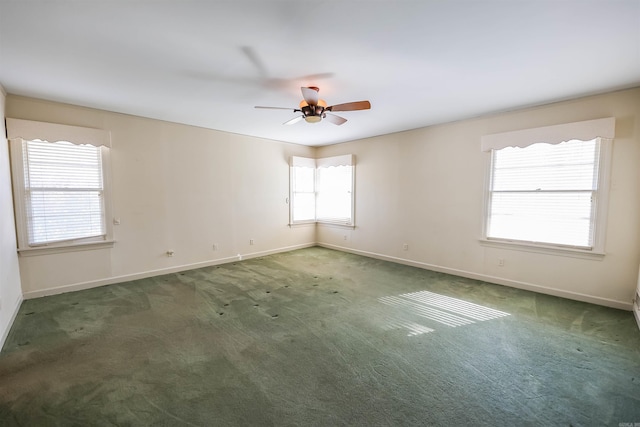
<point>544,249</point>
<point>48,250</point>
<point>329,223</point>
<point>302,223</point>
<point>337,224</point>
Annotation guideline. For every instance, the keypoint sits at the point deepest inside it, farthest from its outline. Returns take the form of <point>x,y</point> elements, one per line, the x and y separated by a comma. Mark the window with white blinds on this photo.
<point>333,197</point>
<point>61,185</point>
<point>63,191</point>
<point>548,187</point>
<point>545,193</point>
<point>303,193</point>
<point>322,190</point>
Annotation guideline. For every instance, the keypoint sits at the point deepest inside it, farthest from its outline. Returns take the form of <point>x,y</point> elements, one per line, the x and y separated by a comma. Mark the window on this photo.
<point>545,193</point>
<point>303,190</point>
<point>322,190</point>
<point>333,195</point>
<point>549,193</point>
<point>60,187</point>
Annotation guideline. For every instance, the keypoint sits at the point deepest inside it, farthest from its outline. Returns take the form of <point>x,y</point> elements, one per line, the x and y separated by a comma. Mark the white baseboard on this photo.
<point>636,312</point>
<point>491,279</point>
<point>12,318</point>
<point>151,273</point>
<point>462,273</point>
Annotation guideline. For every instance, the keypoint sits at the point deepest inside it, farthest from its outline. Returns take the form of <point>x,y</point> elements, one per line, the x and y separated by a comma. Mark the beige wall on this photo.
<point>10,292</point>
<point>177,188</point>
<point>184,189</point>
<point>426,187</point>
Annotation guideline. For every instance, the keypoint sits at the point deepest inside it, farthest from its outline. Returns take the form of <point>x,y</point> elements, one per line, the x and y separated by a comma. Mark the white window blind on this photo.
<point>545,193</point>
<point>303,194</point>
<point>63,191</point>
<point>335,184</point>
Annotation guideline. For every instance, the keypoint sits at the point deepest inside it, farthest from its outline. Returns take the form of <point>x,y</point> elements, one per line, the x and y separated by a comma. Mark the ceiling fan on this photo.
<point>314,109</point>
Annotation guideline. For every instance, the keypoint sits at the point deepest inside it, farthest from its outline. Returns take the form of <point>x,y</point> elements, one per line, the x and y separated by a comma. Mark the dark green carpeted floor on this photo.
<point>318,338</point>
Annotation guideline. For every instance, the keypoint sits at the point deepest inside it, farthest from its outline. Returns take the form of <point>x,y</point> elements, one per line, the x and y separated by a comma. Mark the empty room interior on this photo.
<point>320,213</point>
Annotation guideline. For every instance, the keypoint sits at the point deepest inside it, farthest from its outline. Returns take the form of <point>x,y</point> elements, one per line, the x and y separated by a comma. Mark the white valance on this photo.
<point>325,162</point>
<point>303,162</point>
<point>345,160</point>
<point>52,132</point>
<point>583,131</point>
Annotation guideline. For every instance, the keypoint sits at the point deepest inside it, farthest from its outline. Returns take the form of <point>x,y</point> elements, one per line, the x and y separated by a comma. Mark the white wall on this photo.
<point>10,292</point>
<point>425,188</point>
<point>184,189</point>
<point>175,187</point>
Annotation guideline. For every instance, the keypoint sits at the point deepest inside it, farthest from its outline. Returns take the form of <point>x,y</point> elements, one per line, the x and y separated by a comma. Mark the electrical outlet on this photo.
<point>405,247</point>
<point>251,241</point>
<point>170,253</point>
<point>500,262</point>
<point>215,247</point>
<point>344,237</point>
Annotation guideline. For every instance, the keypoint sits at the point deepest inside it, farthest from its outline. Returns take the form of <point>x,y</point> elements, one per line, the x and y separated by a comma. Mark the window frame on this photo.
<point>325,162</point>
<point>604,130</point>
<point>300,162</point>
<point>22,131</point>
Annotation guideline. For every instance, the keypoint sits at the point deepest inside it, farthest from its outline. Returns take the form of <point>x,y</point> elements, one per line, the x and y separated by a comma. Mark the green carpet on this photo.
<point>317,337</point>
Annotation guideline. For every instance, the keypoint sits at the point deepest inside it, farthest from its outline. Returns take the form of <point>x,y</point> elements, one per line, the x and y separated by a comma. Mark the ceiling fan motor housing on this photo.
<point>313,113</point>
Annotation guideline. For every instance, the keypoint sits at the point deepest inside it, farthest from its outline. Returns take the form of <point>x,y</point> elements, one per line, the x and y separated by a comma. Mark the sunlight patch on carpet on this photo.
<point>446,310</point>
<point>413,328</point>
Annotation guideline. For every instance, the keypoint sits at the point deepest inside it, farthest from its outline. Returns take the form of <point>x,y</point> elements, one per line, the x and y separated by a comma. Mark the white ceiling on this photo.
<point>208,63</point>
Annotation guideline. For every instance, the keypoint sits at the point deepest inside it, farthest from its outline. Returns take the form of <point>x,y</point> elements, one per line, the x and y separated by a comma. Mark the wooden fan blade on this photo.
<point>275,108</point>
<point>336,120</point>
<point>310,94</point>
<point>294,120</point>
<point>351,106</point>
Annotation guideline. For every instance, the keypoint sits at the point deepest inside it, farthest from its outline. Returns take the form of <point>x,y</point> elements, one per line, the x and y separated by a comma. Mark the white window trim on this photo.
<point>60,248</point>
<point>340,223</point>
<point>541,248</point>
<point>305,162</point>
<point>25,130</point>
<point>343,160</point>
<point>603,129</point>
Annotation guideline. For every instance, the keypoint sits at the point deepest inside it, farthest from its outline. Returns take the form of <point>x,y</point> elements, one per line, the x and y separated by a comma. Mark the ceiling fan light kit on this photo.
<point>314,109</point>
<point>312,119</point>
